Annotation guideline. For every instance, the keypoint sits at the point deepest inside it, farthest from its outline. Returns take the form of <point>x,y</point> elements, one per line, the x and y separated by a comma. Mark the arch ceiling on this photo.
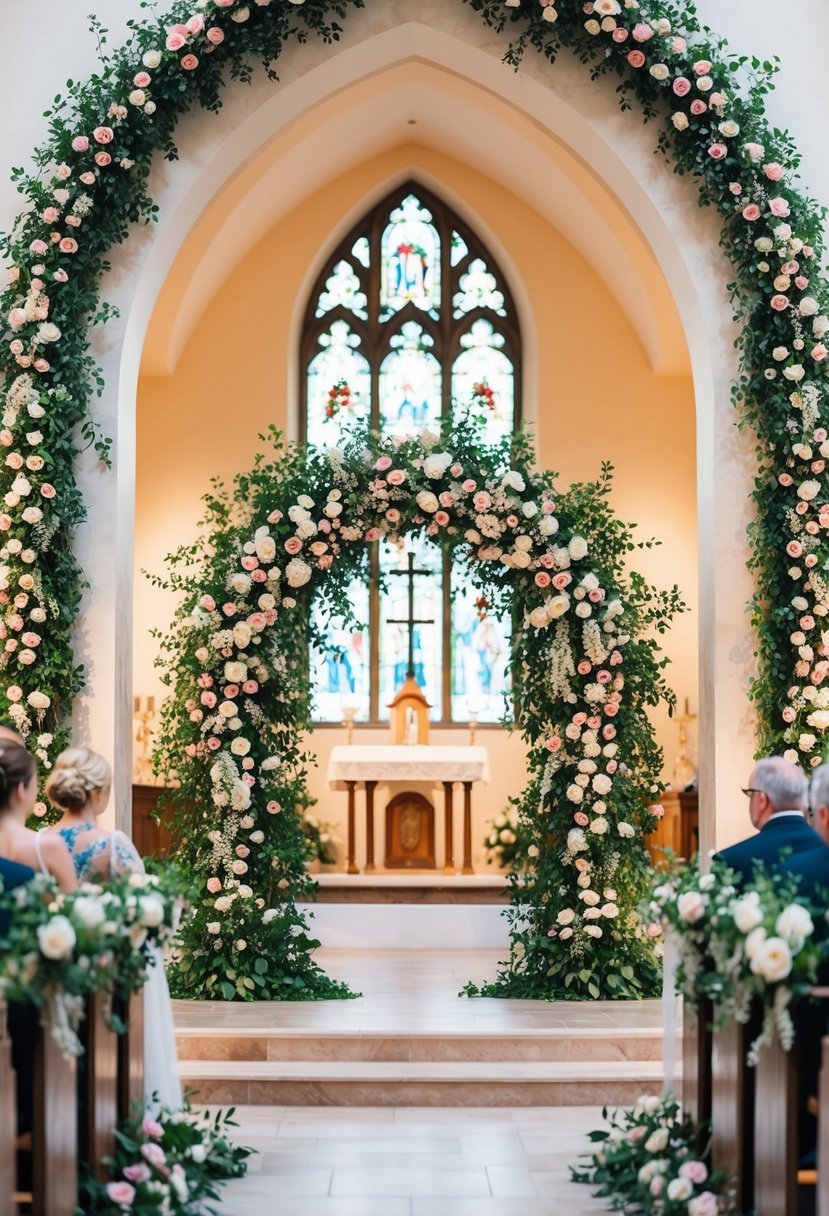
<point>422,102</point>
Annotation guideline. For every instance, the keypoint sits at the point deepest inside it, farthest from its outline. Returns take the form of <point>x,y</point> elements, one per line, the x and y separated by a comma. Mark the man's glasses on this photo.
<point>749,790</point>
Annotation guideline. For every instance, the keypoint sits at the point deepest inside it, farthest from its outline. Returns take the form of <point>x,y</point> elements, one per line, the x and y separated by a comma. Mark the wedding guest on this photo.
<point>80,785</point>
<point>812,867</point>
<point>18,790</point>
<point>777,794</point>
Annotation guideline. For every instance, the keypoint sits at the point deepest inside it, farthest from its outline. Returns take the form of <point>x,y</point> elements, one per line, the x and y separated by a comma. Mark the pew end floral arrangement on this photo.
<point>171,1164</point>
<point>61,948</point>
<point>743,948</point>
<point>650,1159</point>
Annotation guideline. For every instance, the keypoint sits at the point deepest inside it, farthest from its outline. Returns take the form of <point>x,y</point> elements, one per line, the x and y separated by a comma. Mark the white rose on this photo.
<point>236,673</point>
<point>602,784</point>
<point>151,911</point>
<point>820,326</point>
<point>257,837</point>
<point>265,548</point>
<point>227,709</point>
<point>32,515</point>
<point>680,1188</point>
<point>138,935</point>
<point>754,941</point>
<point>297,572</point>
<point>557,606</point>
<point>540,620</point>
<point>794,924</point>
<point>660,71</point>
<point>680,120</point>
<point>214,927</point>
<point>240,746</point>
<point>151,59</point>
<point>808,306</point>
<point>729,128</point>
<point>772,960</point>
<point>47,332</point>
<point>819,718</point>
<point>436,464</point>
<point>427,502</point>
<point>599,826</point>
<point>548,525</point>
<point>39,700</point>
<point>747,914</point>
<point>657,1140</point>
<point>242,633</point>
<point>566,916</point>
<point>529,509</point>
<point>56,938</point>
<point>576,841</point>
<point>89,911</point>
<point>514,481</point>
<point>590,898</point>
<point>577,548</point>
<point>222,904</point>
<point>137,97</point>
<point>519,559</point>
<point>575,793</point>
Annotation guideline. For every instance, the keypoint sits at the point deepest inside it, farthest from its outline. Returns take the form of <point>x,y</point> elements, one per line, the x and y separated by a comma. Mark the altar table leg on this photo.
<point>467,828</point>
<point>351,867</point>
<point>448,829</point>
<point>370,785</point>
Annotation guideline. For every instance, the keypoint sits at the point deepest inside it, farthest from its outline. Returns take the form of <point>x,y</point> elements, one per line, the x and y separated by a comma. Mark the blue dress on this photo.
<point>84,851</point>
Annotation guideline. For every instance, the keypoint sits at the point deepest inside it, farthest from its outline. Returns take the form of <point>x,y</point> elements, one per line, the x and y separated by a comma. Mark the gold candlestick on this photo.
<point>473,723</point>
<point>349,714</point>
<point>684,772</point>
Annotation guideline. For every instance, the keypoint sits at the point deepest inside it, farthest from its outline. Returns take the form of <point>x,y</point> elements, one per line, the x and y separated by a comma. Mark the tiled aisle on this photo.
<point>411,1161</point>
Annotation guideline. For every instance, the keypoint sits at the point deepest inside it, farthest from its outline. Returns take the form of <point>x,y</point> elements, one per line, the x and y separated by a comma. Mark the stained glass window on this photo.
<point>410,318</point>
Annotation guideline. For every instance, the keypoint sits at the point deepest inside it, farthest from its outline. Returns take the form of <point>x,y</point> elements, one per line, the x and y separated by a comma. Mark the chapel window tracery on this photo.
<point>409,315</point>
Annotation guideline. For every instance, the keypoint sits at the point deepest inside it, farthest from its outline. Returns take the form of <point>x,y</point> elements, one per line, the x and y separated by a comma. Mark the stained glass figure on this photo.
<point>338,362</point>
<point>427,638</point>
<point>410,252</point>
<point>343,290</point>
<point>482,365</point>
<point>410,383</point>
<point>340,672</point>
<point>480,653</point>
<point>478,289</point>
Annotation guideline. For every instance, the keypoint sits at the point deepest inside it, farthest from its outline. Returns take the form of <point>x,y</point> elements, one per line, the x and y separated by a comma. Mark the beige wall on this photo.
<point>597,399</point>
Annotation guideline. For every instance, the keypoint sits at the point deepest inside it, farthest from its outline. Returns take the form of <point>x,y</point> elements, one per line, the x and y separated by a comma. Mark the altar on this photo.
<point>396,764</point>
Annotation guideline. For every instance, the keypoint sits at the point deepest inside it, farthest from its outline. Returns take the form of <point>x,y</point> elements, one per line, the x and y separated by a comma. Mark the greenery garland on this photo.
<point>90,184</point>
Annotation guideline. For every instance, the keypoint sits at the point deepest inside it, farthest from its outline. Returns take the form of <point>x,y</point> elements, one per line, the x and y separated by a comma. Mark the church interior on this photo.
<point>401,230</point>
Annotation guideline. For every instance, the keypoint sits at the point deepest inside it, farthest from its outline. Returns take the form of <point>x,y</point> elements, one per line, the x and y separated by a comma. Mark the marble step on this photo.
<point>434,1083</point>
<point>596,1044</point>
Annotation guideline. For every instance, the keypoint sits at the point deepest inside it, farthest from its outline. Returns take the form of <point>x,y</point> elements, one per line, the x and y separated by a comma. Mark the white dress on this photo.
<point>162,1085</point>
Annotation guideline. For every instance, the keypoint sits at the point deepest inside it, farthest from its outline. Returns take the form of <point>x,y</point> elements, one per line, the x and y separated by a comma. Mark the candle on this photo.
<point>150,705</point>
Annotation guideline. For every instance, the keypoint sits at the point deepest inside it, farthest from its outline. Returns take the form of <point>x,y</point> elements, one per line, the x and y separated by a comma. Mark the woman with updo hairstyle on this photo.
<point>19,845</point>
<point>80,785</point>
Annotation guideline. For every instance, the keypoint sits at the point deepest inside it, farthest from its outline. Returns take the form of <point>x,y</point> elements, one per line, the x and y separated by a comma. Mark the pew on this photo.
<point>775,1130</point>
<point>131,1059</point>
<point>733,1109</point>
<point>696,1060</point>
<point>823,1132</point>
<point>55,1130</point>
<point>8,1121</point>
<point>99,1088</point>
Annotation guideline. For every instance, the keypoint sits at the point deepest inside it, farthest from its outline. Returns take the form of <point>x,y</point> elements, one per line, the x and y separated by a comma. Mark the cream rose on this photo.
<point>56,938</point>
<point>427,501</point>
<point>772,960</point>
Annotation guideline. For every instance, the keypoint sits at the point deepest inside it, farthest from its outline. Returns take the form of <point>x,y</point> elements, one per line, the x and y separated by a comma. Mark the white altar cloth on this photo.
<point>403,762</point>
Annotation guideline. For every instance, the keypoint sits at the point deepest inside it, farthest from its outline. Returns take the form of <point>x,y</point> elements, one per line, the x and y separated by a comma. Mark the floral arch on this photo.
<point>90,184</point>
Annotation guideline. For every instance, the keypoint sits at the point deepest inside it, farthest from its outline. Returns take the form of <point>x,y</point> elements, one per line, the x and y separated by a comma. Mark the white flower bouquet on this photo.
<point>741,948</point>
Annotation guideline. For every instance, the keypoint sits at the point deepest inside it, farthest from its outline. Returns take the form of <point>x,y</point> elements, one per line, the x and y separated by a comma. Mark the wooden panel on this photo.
<point>410,832</point>
<point>823,1132</point>
<point>8,1121</point>
<point>732,1109</point>
<point>55,1131</point>
<point>131,1059</point>
<point>775,1131</point>
<point>696,1061</point>
<point>678,829</point>
<point>150,837</point>
<point>99,1102</point>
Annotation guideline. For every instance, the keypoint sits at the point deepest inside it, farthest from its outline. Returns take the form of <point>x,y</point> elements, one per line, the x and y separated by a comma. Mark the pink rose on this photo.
<point>190,62</point>
<point>214,885</point>
<point>175,40</point>
<point>779,303</point>
<point>122,1192</point>
<point>396,477</point>
<point>584,668</point>
<point>702,67</point>
<point>138,1172</point>
<point>698,106</point>
<point>469,486</point>
<point>593,722</point>
<point>819,352</point>
<point>393,515</point>
<point>604,676</point>
<point>372,534</point>
<point>213,743</point>
<point>259,576</point>
<point>229,609</point>
<point>481,501</point>
<point>773,172</point>
<point>636,59</point>
<point>141,80</point>
<point>293,545</point>
<point>257,621</point>
<point>678,44</point>
<point>581,819</point>
<point>553,744</point>
<point>151,1127</point>
<point>596,595</point>
<point>691,906</point>
<point>80,143</point>
<point>48,490</point>
<point>41,365</point>
<point>636,1133</point>
<point>103,159</point>
<point>547,561</point>
<point>14,460</point>
<point>806,622</point>
<point>694,1171</point>
<point>656,1185</point>
<point>249,562</point>
<point>39,247</point>
<point>512,521</point>
<point>718,151</point>
<point>230,691</point>
<point>642,32</point>
<point>31,639</point>
<point>779,207</point>
<point>705,1204</point>
<point>154,1154</point>
<point>611,710</point>
<point>562,580</point>
<point>383,463</point>
<point>207,602</point>
<point>441,518</point>
<point>250,687</point>
<point>654,930</point>
<point>208,699</point>
<point>801,282</point>
<point>579,719</point>
<point>445,499</point>
<point>751,212</point>
<point>195,25</point>
<point>103,135</point>
<point>608,732</point>
<point>681,86</point>
<point>215,35</point>
<point>620,34</point>
<point>542,579</point>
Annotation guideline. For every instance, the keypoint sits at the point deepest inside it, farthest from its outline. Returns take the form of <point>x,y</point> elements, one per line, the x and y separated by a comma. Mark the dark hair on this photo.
<point>16,766</point>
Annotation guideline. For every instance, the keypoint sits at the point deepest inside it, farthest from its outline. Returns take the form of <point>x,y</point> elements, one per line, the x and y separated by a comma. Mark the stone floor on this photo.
<point>411,1161</point>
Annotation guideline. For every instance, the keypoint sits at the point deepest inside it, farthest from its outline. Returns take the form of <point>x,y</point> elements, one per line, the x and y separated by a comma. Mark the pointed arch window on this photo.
<point>409,317</point>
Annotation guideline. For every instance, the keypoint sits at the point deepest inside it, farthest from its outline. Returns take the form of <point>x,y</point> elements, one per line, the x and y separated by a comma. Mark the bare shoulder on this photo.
<point>52,845</point>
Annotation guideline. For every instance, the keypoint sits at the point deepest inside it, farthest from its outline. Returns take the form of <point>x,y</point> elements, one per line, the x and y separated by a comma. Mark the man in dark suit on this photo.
<point>812,867</point>
<point>777,795</point>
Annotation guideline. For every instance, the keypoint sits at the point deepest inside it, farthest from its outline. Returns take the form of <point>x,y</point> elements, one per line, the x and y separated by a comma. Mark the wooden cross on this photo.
<point>411,620</point>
